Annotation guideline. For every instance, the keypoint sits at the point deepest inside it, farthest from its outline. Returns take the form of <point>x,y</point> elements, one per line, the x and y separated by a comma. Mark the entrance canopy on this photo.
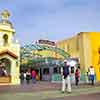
<point>26,50</point>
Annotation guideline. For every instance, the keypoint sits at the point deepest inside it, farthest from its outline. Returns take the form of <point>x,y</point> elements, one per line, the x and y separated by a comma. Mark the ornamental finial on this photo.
<point>5,15</point>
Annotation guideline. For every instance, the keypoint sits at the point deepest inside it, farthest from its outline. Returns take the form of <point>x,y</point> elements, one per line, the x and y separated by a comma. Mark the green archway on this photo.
<point>27,48</point>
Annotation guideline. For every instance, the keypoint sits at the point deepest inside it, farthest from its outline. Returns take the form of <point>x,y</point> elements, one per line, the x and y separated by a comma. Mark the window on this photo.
<point>55,70</point>
<point>46,71</point>
<point>5,38</point>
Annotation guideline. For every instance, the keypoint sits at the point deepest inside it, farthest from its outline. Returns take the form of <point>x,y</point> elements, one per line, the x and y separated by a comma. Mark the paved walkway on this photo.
<point>95,96</point>
<point>49,91</point>
<point>39,86</point>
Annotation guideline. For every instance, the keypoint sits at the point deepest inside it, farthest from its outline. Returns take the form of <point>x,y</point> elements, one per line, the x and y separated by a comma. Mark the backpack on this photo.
<point>66,70</point>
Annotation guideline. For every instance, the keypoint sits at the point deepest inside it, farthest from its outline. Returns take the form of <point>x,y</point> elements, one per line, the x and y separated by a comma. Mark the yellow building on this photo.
<point>86,47</point>
<point>9,51</point>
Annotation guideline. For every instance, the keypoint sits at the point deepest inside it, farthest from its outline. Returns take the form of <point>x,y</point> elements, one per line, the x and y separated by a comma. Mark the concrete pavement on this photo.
<point>48,91</point>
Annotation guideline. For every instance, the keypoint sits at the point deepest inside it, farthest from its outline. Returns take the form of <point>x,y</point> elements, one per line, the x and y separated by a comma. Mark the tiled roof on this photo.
<point>10,53</point>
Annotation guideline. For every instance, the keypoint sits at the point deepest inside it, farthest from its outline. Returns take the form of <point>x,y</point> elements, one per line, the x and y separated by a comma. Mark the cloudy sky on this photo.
<point>52,19</point>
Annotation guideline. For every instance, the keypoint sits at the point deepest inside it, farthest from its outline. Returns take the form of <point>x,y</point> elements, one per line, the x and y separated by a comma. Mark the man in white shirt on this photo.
<point>91,74</point>
<point>65,71</point>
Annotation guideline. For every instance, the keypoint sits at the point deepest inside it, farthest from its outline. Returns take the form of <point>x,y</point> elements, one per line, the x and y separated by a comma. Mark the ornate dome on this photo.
<point>5,18</point>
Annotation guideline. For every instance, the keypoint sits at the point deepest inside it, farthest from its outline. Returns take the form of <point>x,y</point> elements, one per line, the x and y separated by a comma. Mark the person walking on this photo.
<point>91,74</point>
<point>28,76</point>
<point>66,77</point>
<point>33,74</point>
<point>21,77</point>
<point>88,76</point>
<point>77,77</point>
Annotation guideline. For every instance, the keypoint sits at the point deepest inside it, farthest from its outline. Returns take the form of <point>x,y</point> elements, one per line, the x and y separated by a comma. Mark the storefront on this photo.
<point>52,72</point>
<point>46,68</point>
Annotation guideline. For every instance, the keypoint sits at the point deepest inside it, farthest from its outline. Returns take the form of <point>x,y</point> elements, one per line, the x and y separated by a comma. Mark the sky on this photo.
<point>52,19</point>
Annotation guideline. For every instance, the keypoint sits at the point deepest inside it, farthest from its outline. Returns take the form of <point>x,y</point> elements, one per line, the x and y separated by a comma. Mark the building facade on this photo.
<point>9,52</point>
<point>85,47</point>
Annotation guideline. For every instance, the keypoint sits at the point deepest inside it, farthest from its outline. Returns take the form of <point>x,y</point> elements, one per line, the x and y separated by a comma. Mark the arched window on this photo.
<point>5,38</point>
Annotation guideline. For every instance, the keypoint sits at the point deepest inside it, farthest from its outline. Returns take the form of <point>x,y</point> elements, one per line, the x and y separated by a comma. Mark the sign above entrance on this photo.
<point>47,42</point>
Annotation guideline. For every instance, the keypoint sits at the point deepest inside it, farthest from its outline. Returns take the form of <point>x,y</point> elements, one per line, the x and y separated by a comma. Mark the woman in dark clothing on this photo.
<point>22,78</point>
<point>28,76</point>
<point>77,76</point>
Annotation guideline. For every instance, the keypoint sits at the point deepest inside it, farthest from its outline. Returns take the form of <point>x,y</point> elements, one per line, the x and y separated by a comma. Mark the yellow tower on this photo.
<point>9,51</point>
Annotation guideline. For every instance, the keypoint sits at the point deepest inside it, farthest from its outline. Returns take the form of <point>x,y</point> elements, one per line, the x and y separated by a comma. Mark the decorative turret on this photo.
<point>5,20</point>
<point>9,49</point>
<point>5,15</point>
<point>6,29</point>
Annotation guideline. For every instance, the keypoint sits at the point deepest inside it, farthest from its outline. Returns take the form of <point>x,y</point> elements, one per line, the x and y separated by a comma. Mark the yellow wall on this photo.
<point>85,50</point>
<point>69,45</point>
<point>95,45</point>
<point>85,47</point>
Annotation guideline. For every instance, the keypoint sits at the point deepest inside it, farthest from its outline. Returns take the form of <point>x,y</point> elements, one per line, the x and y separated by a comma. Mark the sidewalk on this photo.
<point>46,91</point>
<point>41,86</point>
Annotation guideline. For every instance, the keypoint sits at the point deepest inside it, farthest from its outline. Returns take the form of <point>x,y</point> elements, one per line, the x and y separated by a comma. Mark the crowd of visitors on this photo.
<point>28,76</point>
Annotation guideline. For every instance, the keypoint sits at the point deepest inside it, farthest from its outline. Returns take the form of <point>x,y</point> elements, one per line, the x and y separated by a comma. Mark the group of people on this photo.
<point>66,73</point>
<point>66,76</point>
<point>27,76</point>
